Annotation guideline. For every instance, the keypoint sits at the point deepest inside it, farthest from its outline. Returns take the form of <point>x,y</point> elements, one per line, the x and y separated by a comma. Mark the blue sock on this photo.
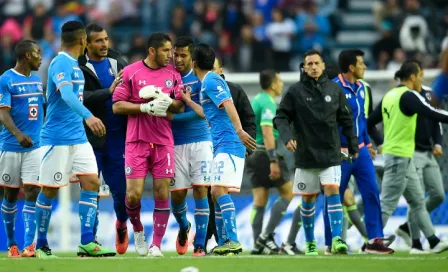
<point>201,214</point>
<point>220,230</point>
<point>229,216</point>
<point>28,214</point>
<point>335,214</point>
<point>87,214</point>
<point>308,211</point>
<point>43,215</point>
<point>180,213</point>
<point>97,221</point>
<point>9,214</point>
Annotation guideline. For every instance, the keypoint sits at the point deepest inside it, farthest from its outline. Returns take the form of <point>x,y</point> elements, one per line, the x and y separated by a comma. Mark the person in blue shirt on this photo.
<point>101,67</point>
<point>193,151</point>
<point>229,141</point>
<point>22,115</point>
<point>352,65</point>
<point>440,83</point>
<point>66,153</point>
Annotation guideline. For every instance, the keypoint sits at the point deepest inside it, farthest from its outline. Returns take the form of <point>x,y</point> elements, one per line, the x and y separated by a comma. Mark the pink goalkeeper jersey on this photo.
<point>142,126</point>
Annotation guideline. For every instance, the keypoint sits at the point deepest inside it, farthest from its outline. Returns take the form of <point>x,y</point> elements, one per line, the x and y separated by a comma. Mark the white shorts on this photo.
<point>17,168</point>
<point>193,165</point>
<point>64,163</point>
<point>308,181</point>
<point>227,171</point>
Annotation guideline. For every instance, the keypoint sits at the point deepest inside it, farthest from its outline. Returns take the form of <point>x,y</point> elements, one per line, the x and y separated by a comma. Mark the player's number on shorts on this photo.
<point>205,165</point>
<point>220,167</point>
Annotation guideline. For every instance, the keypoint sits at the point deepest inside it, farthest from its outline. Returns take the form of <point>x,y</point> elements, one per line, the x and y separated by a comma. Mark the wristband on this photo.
<point>272,155</point>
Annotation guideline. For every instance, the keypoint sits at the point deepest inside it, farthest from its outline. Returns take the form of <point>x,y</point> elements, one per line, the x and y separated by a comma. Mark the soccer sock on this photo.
<point>355,219</point>
<point>433,241</point>
<point>87,214</point>
<point>256,220</point>
<point>133,211</point>
<point>43,216</point>
<point>160,219</point>
<point>229,216</point>
<point>28,214</point>
<point>219,222</point>
<point>295,226</point>
<point>277,212</point>
<point>97,218</point>
<point>180,213</point>
<point>335,213</point>
<point>120,207</point>
<point>308,211</point>
<point>201,214</point>
<point>9,215</point>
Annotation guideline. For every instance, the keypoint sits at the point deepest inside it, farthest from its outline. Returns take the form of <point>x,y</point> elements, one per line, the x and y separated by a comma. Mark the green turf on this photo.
<point>130,262</point>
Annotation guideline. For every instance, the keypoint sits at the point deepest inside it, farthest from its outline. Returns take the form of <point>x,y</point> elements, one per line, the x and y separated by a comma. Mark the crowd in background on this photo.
<point>249,35</point>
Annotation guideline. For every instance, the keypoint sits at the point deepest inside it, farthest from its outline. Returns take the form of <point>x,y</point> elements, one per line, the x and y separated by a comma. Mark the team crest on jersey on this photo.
<point>268,114</point>
<point>111,72</point>
<point>168,83</point>
<point>428,96</point>
<point>188,88</point>
<point>328,98</point>
<point>362,94</point>
<point>61,76</point>
<point>128,170</point>
<point>33,111</point>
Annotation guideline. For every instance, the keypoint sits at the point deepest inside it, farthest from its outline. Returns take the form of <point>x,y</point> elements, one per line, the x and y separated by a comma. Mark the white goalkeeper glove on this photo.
<point>157,107</point>
<point>149,92</point>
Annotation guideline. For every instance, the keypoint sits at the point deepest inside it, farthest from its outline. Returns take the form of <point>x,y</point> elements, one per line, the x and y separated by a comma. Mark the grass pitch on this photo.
<point>68,262</point>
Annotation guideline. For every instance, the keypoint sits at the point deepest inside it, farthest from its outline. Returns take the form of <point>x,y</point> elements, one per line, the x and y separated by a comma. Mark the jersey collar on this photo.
<point>187,74</point>
<point>67,55</point>
<point>347,84</point>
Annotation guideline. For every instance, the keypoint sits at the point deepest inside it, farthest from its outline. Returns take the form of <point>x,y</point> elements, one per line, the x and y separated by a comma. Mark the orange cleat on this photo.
<point>199,251</point>
<point>182,241</point>
<point>121,240</point>
<point>29,251</point>
<point>13,252</point>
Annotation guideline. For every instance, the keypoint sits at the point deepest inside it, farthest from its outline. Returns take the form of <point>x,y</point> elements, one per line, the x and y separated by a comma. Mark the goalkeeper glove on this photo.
<point>157,107</point>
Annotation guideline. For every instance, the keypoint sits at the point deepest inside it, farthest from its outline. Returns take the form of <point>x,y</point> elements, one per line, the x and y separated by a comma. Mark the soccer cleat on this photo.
<point>29,251</point>
<point>362,250</point>
<point>378,247</point>
<point>13,252</point>
<point>404,234</point>
<point>154,251</point>
<point>140,243</point>
<point>228,247</point>
<point>440,247</point>
<point>418,251</point>
<point>94,250</point>
<point>290,249</point>
<point>311,249</point>
<point>268,243</point>
<point>338,246</point>
<point>199,251</point>
<point>182,240</point>
<point>121,240</point>
<point>388,240</point>
<point>45,253</point>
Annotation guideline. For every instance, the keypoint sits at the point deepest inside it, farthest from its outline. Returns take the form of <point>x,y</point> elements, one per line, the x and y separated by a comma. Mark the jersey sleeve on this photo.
<point>440,87</point>
<point>268,110</point>
<point>177,87</point>
<point>5,94</point>
<point>123,90</point>
<point>217,91</point>
<point>61,73</point>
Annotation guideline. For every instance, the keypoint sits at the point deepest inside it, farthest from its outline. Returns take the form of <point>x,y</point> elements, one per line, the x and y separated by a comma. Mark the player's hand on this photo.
<point>157,107</point>
<point>149,92</point>
<point>292,145</point>
<point>24,140</point>
<point>247,140</point>
<point>116,82</point>
<point>96,126</point>
<point>437,151</point>
<point>372,153</point>
<point>275,171</point>
<point>354,156</point>
<point>186,96</point>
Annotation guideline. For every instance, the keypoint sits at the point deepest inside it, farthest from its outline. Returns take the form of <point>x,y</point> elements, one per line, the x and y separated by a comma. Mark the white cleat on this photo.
<point>140,243</point>
<point>154,251</point>
<point>416,251</point>
<point>440,247</point>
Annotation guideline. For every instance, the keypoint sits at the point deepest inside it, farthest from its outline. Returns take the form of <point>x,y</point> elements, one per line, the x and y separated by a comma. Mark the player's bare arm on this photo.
<point>177,106</point>
<point>269,143</point>
<point>8,123</point>
<point>248,141</point>
<point>116,82</point>
<point>125,108</point>
<point>186,96</point>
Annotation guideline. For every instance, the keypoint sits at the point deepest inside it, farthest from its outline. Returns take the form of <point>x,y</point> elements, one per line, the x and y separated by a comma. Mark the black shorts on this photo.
<point>258,169</point>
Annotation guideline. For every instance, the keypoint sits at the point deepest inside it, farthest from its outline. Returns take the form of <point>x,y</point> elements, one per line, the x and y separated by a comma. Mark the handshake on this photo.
<point>159,105</point>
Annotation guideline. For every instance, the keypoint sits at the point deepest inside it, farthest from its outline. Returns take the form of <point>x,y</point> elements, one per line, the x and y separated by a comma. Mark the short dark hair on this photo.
<point>349,57</point>
<point>204,56</point>
<point>93,28</point>
<point>185,41</point>
<point>267,77</point>
<point>23,47</point>
<point>408,68</point>
<point>157,39</point>
<point>311,53</point>
<point>71,32</point>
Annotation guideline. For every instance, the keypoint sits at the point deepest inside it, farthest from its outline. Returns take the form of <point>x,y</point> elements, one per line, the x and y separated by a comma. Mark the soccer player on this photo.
<point>352,66</point>
<point>398,110</point>
<point>266,168</point>
<point>440,84</point>
<point>318,110</point>
<point>22,115</point>
<point>228,139</point>
<point>193,151</point>
<point>102,68</point>
<point>65,150</point>
<point>149,138</point>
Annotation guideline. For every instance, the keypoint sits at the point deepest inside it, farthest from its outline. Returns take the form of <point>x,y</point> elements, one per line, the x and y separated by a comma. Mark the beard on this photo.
<point>158,59</point>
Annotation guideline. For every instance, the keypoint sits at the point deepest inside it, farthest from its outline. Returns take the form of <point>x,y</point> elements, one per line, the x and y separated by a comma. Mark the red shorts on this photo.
<point>142,158</point>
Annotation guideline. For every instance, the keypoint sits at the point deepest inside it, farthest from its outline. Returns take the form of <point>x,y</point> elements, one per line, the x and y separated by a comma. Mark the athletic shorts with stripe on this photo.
<point>17,168</point>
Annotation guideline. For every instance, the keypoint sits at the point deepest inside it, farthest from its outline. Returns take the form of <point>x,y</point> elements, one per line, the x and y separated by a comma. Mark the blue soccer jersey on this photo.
<point>214,92</point>
<point>188,127</point>
<point>24,95</point>
<point>63,126</point>
<point>440,87</point>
